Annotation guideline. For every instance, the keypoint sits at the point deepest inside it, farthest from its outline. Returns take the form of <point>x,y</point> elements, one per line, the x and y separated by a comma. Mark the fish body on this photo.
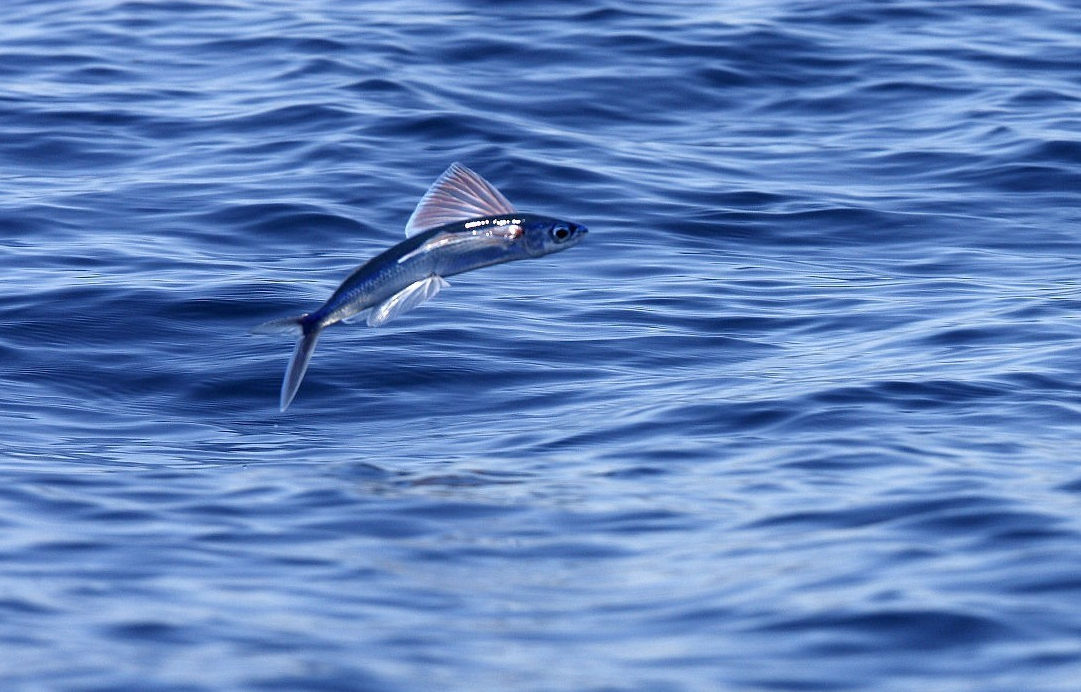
<point>462,223</point>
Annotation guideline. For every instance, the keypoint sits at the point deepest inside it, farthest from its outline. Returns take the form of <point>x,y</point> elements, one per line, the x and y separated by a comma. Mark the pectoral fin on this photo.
<point>457,195</point>
<point>406,299</point>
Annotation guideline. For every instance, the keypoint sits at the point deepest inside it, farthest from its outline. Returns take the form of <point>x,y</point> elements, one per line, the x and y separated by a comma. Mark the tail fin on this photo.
<point>306,337</point>
<point>298,365</point>
<point>286,325</point>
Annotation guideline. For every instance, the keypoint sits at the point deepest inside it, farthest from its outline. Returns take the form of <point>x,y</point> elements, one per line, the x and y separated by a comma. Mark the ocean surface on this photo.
<point>803,412</point>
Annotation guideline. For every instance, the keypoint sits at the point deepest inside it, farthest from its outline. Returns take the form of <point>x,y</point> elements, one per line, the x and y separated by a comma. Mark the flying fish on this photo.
<point>461,223</point>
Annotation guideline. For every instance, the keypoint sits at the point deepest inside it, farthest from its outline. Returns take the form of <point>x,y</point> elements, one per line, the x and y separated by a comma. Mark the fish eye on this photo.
<point>561,233</point>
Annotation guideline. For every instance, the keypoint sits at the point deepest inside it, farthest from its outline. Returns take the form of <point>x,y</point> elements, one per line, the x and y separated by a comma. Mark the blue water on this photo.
<point>802,413</point>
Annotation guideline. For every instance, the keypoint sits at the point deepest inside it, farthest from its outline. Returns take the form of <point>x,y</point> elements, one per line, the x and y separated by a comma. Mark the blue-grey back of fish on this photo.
<point>461,223</point>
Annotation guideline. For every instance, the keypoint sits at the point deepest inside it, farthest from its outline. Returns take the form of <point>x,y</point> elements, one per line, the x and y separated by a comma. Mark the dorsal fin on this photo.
<point>457,195</point>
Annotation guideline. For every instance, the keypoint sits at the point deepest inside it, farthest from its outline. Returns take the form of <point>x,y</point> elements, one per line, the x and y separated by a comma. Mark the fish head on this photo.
<point>543,235</point>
